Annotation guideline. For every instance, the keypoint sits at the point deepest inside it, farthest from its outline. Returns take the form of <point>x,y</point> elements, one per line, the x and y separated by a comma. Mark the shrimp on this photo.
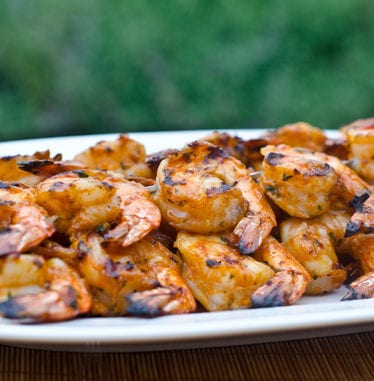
<point>96,200</point>
<point>142,279</point>
<point>289,282</point>
<point>363,218</point>
<point>313,243</point>
<point>10,172</point>
<point>349,186</point>
<point>41,290</point>
<point>232,145</point>
<point>218,276</point>
<point>203,190</point>
<point>23,224</point>
<point>361,247</point>
<point>123,155</point>
<point>301,186</point>
<point>360,137</point>
<point>298,134</point>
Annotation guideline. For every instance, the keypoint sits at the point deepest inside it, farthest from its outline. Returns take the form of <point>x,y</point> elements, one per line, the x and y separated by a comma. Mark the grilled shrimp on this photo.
<point>360,137</point>
<point>142,279</point>
<point>289,282</point>
<point>313,243</point>
<point>203,190</point>
<point>349,186</point>
<point>299,134</point>
<point>105,201</point>
<point>23,224</point>
<point>10,171</point>
<point>301,186</point>
<point>41,290</point>
<point>361,247</point>
<point>218,276</point>
<point>123,155</point>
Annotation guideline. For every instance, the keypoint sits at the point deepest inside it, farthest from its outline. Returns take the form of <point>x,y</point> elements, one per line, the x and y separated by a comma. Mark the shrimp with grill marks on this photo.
<point>218,275</point>
<point>23,224</point>
<point>361,247</point>
<point>360,137</point>
<point>201,189</point>
<point>142,279</point>
<point>289,282</point>
<point>44,290</point>
<point>301,186</point>
<point>313,242</point>
<point>123,155</point>
<point>88,200</point>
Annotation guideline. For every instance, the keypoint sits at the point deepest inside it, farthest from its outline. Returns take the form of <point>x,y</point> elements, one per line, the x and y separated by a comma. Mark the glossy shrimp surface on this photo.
<point>41,290</point>
<point>301,186</point>
<point>142,279</point>
<point>360,137</point>
<point>23,223</point>
<point>203,190</point>
<point>10,171</point>
<point>290,280</point>
<point>361,247</point>
<point>217,274</point>
<point>98,200</point>
<point>313,243</point>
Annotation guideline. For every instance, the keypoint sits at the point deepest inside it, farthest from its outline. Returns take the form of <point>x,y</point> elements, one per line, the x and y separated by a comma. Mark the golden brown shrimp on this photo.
<point>313,243</point>
<point>363,218</point>
<point>289,282</point>
<point>23,224</point>
<point>218,275</point>
<point>360,137</point>
<point>97,200</point>
<point>301,186</point>
<point>232,145</point>
<point>298,134</point>
<point>349,185</point>
<point>142,279</point>
<point>203,190</point>
<point>361,247</point>
<point>11,173</point>
<point>123,155</point>
<point>42,290</point>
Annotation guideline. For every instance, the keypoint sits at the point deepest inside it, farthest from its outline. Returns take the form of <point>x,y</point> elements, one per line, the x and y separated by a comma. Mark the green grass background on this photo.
<point>88,66</point>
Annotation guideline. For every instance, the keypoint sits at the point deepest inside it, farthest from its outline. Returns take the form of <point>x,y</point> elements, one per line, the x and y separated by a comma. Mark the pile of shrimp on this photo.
<point>223,223</point>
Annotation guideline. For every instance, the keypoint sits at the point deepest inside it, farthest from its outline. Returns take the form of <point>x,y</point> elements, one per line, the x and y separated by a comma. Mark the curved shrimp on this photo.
<point>142,279</point>
<point>97,200</point>
<point>301,186</point>
<point>349,186</point>
<point>313,243</point>
<point>289,282</point>
<point>203,190</point>
<point>23,224</point>
<point>42,290</point>
<point>361,247</point>
<point>123,155</point>
<point>360,137</point>
<point>218,276</point>
<point>10,171</point>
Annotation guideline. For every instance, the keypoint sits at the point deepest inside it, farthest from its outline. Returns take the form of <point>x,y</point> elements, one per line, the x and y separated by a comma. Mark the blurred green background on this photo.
<point>88,66</point>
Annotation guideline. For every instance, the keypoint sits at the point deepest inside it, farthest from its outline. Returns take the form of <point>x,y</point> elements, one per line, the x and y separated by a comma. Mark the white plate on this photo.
<point>309,317</point>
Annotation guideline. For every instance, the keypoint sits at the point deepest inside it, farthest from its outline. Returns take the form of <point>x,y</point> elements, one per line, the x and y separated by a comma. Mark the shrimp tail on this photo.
<point>282,289</point>
<point>38,307</point>
<point>17,238</point>
<point>151,303</point>
<point>249,234</point>
<point>361,288</point>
